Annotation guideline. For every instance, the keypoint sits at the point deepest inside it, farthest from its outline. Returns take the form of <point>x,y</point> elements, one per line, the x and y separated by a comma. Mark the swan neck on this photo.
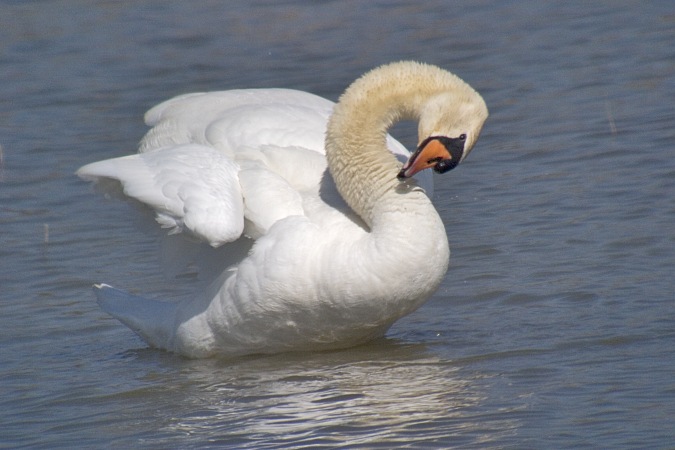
<point>362,166</point>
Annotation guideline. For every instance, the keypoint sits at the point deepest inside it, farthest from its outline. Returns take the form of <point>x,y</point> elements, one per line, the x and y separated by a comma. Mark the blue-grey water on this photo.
<point>554,328</point>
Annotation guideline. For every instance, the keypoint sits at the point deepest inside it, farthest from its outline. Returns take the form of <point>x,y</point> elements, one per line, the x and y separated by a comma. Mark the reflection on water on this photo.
<point>379,394</point>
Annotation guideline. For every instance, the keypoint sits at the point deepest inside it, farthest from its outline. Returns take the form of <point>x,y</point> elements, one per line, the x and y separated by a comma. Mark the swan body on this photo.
<point>331,239</point>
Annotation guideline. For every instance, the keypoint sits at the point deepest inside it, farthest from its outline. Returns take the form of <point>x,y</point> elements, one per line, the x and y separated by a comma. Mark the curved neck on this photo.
<point>363,168</point>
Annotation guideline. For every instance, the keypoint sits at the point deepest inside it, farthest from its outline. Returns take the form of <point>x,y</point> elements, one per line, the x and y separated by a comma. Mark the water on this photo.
<point>554,328</point>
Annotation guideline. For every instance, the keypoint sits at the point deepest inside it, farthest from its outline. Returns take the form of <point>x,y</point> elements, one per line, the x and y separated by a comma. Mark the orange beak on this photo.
<point>438,152</point>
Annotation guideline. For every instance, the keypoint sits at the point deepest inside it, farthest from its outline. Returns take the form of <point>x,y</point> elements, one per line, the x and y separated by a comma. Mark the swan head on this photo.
<point>449,126</point>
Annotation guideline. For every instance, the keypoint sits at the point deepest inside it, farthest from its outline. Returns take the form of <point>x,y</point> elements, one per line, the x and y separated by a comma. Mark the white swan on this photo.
<point>250,164</point>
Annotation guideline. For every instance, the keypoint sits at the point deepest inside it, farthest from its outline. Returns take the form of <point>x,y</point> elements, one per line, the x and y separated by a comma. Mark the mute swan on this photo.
<point>331,265</point>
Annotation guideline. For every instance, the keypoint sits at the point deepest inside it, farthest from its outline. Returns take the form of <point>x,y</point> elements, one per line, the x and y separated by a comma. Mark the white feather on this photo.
<point>191,187</point>
<point>228,167</point>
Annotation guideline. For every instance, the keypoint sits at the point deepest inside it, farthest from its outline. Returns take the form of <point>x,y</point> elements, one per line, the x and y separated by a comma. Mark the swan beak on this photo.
<point>438,152</point>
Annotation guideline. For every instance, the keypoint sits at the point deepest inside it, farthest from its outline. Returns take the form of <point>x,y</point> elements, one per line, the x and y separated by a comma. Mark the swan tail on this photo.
<point>154,321</point>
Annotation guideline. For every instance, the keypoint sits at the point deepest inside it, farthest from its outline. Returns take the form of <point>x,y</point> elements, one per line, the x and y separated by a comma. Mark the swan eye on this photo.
<point>445,165</point>
<point>462,136</point>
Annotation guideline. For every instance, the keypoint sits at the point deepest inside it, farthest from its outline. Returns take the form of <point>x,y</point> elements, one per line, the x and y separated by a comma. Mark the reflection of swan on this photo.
<point>321,274</point>
<point>384,395</point>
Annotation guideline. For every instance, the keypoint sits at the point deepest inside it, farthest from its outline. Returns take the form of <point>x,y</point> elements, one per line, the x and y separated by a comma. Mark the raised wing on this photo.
<point>191,187</point>
<point>221,164</point>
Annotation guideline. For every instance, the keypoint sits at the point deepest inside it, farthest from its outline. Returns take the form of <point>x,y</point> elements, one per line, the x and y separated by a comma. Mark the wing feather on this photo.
<point>191,187</point>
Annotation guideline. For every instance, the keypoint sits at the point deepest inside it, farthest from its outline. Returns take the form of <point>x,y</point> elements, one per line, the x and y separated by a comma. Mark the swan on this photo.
<point>332,238</point>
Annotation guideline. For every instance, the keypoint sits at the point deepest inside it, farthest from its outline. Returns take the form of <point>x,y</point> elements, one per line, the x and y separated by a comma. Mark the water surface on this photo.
<point>554,327</point>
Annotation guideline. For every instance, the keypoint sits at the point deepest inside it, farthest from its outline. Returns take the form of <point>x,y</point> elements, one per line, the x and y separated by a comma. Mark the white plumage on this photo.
<point>338,255</point>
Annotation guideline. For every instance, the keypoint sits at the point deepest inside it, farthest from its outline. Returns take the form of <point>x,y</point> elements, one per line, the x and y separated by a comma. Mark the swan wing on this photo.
<point>239,122</point>
<point>191,187</point>
<point>221,164</point>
